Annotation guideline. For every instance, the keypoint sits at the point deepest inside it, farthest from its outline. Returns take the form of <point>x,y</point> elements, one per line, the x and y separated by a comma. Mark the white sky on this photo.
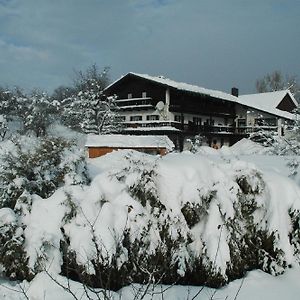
<point>212,43</point>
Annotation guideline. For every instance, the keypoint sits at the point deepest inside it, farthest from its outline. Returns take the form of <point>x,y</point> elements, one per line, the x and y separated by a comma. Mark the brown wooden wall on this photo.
<point>136,86</point>
<point>96,152</point>
<point>181,101</point>
<point>186,102</point>
<point>99,151</point>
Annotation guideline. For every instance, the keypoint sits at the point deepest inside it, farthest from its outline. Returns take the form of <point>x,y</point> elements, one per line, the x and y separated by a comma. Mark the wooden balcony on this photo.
<point>192,129</point>
<point>135,104</point>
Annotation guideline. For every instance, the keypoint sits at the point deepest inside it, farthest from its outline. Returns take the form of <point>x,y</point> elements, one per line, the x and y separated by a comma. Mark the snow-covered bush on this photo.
<point>38,166</point>
<point>13,258</point>
<point>3,126</point>
<point>180,219</point>
<point>196,142</point>
<point>31,168</point>
<point>288,145</point>
<point>278,145</point>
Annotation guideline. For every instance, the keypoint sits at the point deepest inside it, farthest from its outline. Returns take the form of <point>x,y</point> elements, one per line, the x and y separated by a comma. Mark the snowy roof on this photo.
<point>129,141</point>
<point>268,102</point>
<point>181,86</point>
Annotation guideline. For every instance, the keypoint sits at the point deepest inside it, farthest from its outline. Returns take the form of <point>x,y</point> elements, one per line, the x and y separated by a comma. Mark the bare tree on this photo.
<point>86,80</point>
<point>276,81</point>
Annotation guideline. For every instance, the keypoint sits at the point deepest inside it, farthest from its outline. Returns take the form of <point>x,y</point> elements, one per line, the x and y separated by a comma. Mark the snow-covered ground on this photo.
<point>180,178</point>
<point>257,285</point>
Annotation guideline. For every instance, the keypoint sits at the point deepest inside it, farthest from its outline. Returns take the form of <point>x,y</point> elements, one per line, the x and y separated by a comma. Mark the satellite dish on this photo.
<point>160,106</point>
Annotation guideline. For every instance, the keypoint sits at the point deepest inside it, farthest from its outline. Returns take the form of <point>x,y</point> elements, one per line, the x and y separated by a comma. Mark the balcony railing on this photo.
<point>196,129</point>
<point>191,128</point>
<point>135,104</point>
<point>152,124</point>
<point>251,129</point>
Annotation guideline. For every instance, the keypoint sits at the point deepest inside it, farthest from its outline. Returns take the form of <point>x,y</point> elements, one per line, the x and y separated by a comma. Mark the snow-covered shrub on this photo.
<point>196,142</point>
<point>13,258</point>
<point>3,126</point>
<point>177,219</point>
<point>39,166</point>
<point>250,181</point>
<point>288,145</point>
<point>180,219</point>
<point>295,233</point>
<point>278,145</point>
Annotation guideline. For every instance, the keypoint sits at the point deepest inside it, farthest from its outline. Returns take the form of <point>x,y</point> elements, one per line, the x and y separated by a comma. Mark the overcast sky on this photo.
<point>212,43</point>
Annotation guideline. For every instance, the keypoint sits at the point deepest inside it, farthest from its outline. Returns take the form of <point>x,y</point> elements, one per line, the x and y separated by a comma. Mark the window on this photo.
<point>136,118</point>
<point>241,122</point>
<point>152,118</point>
<point>209,122</point>
<point>144,94</point>
<point>197,121</point>
<point>129,96</point>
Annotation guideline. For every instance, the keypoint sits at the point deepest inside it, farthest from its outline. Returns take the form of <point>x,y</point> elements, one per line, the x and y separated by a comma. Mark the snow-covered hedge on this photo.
<point>182,218</point>
<point>38,166</point>
<point>30,168</point>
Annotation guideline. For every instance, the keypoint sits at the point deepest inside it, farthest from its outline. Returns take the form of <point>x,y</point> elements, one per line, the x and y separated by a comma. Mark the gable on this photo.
<point>278,103</point>
<point>286,104</point>
<point>136,86</point>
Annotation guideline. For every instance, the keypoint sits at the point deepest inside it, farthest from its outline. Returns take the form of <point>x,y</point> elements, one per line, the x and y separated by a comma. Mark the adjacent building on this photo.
<point>160,106</point>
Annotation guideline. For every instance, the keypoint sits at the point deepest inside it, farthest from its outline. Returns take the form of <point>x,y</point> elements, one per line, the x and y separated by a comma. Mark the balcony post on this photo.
<point>167,104</point>
<point>280,129</point>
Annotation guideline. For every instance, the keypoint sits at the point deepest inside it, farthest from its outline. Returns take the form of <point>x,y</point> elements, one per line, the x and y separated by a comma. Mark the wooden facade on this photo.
<point>94,152</point>
<point>188,110</point>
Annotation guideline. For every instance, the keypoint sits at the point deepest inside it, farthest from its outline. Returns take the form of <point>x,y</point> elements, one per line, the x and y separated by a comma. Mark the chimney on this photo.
<point>235,92</point>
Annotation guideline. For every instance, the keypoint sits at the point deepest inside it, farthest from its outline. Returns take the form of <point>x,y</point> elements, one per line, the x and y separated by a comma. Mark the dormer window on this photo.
<point>144,94</point>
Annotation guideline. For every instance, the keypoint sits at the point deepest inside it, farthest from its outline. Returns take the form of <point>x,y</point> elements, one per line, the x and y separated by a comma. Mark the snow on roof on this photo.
<point>268,102</point>
<point>182,86</point>
<point>129,141</point>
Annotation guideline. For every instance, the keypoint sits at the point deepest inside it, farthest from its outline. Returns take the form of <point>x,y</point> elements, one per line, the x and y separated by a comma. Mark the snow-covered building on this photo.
<point>158,105</point>
<point>99,145</point>
<point>265,110</point>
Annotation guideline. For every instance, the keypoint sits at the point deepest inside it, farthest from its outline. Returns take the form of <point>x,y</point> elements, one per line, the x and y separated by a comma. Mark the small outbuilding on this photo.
<point>99,145</point>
